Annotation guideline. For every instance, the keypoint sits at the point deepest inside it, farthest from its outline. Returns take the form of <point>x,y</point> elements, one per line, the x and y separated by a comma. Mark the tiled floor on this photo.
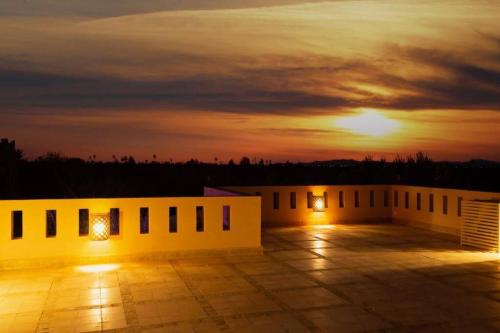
<point>363,278</point>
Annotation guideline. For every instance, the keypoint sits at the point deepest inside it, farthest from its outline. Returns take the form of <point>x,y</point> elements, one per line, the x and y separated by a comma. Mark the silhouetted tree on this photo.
<point>245,161</point>
<point>55,175</point>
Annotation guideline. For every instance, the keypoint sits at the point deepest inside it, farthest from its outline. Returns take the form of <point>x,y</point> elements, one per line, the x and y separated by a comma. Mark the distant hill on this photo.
<point>478,163</point>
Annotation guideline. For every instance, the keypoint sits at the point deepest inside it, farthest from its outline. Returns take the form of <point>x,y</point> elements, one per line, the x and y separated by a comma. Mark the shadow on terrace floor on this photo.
<point>360,238</point>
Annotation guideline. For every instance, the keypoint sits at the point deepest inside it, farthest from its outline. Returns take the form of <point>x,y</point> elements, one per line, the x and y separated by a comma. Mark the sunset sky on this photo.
<point>277,79</point>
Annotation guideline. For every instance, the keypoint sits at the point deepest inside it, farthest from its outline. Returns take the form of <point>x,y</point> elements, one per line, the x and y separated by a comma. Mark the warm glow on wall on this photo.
<point>370,123</point>
<point>99,227</point>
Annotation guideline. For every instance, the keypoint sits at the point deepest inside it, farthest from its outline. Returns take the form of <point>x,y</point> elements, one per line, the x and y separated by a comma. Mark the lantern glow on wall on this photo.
<point>99,227</point>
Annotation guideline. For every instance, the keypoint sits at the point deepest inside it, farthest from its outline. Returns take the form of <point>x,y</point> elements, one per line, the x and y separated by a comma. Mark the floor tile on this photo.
<point>346,319</point>
<point>308,298</point>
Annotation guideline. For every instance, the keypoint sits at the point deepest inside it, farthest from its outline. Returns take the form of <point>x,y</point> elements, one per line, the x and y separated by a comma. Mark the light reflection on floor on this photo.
<point>98,268</point>
<point>320,279</point>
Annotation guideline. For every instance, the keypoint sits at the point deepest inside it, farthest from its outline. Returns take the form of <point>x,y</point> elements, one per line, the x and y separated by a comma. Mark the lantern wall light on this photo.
<point>99,227</point>
<point>318,204</point>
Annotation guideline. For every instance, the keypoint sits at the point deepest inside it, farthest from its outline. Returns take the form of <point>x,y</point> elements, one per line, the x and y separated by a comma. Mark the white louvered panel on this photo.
<point>480,224</point>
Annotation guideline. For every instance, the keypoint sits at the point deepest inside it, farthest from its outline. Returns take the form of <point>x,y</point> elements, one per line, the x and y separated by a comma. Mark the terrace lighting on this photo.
<point>318,204</point>
<point>99,227</point>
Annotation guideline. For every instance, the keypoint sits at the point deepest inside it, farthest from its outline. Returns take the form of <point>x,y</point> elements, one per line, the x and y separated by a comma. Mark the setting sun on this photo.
<point>369,123</point>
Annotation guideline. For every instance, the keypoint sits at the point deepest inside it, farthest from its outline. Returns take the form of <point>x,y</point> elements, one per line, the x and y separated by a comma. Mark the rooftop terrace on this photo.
<point>343,278</point>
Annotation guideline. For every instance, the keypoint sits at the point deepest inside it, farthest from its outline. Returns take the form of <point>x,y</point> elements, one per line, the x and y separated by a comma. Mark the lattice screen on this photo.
<point>480,226</point>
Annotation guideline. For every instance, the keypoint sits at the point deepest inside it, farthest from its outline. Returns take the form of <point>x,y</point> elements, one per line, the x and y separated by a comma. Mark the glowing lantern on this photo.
<point>99,227</point>
<point>318,204</point>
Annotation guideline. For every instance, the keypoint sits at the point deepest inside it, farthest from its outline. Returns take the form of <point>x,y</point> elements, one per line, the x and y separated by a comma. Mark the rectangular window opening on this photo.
<point>386,198</point>
<point>419,201</point>
<point>396,199</point>
<point>50,223</point>
<point>445,204</point>
<point>114,221</point>
<point>372,198</point>
<point>144,220</point>
<point>293,200</point>
<point>83,222</point>
<point>226,218</point>
<point>276,200</point>
<point>309,199</point>
<point>172,219</point>
<point>325,199</point>
<point>17,224</point>
<point>356,199</point>
<point>200,219</point>
<point>407,200</point>
<point>341,199</point>
<point>431,203</point>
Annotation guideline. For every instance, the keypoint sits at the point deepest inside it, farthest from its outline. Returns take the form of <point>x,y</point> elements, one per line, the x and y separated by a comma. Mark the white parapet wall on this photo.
<point>439,209</point>
<point>431,208</point>
<point>50,229</point>
<point>283,205</point>
<point>28,236</point>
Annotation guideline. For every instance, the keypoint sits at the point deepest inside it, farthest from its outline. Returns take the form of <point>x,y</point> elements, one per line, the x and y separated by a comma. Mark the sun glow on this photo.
<point>370,123</point>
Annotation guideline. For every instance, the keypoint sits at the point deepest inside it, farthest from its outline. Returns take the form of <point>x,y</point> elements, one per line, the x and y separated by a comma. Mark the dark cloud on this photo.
<point>111,8</point>
<point>20,79</point>
<point>459,68</point>
<point>447,94</point>
<point>491,37</point>
<point>243,93</point>
<point>463,84</point>
<point>300,87</point>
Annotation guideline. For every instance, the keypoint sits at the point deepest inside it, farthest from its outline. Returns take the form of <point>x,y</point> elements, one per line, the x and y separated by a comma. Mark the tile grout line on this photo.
<point>200,298</point>
<point>330,287</point>
<point>129,311</point>
<point>100,301</point>
<point>295,313</point>
<point>42,313</point>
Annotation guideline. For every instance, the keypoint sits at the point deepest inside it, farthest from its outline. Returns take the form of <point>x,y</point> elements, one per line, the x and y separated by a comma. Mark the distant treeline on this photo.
<point>55,176</point>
